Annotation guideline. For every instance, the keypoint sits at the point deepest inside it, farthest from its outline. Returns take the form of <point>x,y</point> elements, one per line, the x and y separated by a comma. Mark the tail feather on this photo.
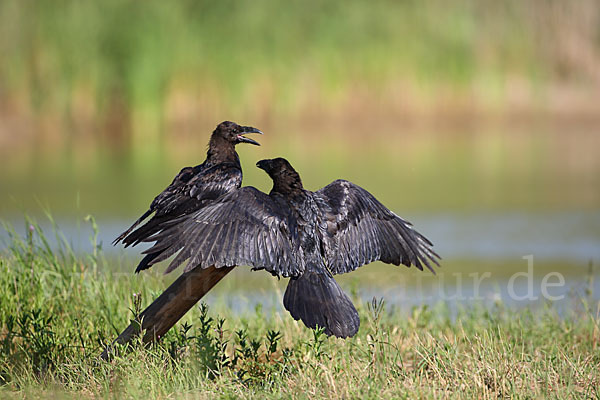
<point>317,299</point>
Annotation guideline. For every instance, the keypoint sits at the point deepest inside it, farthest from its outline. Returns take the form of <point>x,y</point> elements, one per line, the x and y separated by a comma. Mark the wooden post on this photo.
<point>171,305</point>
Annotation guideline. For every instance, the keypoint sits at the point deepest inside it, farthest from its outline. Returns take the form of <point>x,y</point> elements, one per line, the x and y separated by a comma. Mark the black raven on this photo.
<point>306,236</point>
<point>194,187</point>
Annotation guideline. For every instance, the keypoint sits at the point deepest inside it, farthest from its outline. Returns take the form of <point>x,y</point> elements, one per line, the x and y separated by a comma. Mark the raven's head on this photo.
<point>234,133</point>
<point>275,166</point>
<point>285,177</point>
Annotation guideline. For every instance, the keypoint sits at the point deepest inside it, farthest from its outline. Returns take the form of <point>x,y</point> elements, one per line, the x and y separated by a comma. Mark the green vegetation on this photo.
<point>464,106</point>
<point>122,74</point>
<point>115,97</point>
<point>238,50</point>
<point>58,310</point>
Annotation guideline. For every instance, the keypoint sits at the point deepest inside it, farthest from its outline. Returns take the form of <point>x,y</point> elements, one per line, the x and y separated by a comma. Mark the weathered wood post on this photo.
<point>171,305</point>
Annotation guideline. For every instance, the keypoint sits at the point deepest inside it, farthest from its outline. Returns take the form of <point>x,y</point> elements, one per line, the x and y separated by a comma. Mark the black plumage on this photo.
<point>193,187</point>
<point>244,227</point>
<point>306,236</point>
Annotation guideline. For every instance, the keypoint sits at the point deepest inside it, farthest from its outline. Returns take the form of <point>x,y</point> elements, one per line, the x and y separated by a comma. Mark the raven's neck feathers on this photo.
<point>289,184</point>
<point>221,150</point>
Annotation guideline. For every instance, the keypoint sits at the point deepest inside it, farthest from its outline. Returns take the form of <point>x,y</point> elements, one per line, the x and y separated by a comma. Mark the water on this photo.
<point>573,235</point>
<point>566,298</point>
<point>498,244</point>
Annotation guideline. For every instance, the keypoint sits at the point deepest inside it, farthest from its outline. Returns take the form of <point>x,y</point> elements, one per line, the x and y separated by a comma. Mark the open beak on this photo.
<point>246,130</point>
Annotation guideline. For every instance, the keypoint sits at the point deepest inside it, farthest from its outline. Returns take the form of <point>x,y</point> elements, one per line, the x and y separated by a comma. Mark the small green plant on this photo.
<point>316,346</point>
<point>56,320</point>
<point>210,344</point>
<point>376,341</point>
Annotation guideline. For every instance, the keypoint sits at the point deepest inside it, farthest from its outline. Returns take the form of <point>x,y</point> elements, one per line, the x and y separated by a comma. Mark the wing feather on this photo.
<point>190,190</point>
<point>361,230</point>
<point>244,227</point>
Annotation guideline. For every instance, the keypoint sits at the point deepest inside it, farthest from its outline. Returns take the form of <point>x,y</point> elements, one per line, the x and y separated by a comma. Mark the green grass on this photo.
<point>58,310</point>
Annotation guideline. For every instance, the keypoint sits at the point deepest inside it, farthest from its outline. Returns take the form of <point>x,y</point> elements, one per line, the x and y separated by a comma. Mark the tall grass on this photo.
<point>130,67</point>
<point>106,94</point>
<point>58,310</point>
<point>140,49</point>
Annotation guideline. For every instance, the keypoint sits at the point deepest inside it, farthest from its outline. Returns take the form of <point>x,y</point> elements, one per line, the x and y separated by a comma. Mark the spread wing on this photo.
<point>190,190</point>
<point>244,227</point>
<point>361,230</point>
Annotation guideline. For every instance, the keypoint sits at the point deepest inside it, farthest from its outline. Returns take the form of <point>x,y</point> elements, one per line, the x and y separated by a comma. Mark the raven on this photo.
<point>293,232</point>
<point>194,187</point>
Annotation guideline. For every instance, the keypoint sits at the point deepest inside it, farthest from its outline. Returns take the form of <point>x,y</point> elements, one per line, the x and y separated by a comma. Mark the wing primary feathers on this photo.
<point>244,227</point>
<point>365,231</point>
<point>128,231</point>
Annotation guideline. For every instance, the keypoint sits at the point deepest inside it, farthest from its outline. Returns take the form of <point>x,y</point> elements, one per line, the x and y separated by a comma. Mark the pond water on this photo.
<point>563,235</point>
<point>486,199</point>
<point>486,259</point>
<point>575,295</point>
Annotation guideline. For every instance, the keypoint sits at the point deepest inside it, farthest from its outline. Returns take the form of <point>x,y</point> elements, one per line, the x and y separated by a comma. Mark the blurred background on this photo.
<point>479,121</point>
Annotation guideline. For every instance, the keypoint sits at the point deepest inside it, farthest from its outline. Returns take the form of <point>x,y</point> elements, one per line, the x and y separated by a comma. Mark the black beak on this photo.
<point>264,165</point>
<point>246,130</point>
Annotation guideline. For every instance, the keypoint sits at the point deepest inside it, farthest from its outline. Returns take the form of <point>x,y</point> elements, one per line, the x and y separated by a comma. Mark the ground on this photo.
<point>58,310</point>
